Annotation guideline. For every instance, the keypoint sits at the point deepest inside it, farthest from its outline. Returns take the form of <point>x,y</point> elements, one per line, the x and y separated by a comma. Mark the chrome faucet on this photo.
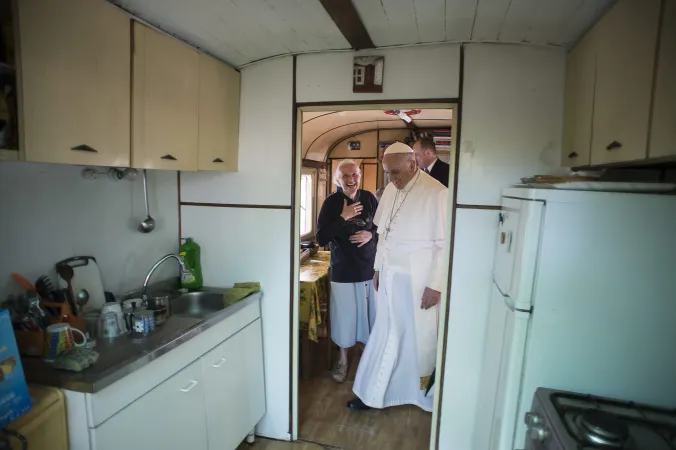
<point>154,268</point>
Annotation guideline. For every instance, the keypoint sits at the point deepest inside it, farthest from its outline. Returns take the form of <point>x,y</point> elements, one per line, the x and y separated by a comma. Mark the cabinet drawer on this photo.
<point>171,416</point>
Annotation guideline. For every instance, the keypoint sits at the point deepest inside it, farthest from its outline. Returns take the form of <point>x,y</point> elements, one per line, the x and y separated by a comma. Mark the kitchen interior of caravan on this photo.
<point>162,170</point>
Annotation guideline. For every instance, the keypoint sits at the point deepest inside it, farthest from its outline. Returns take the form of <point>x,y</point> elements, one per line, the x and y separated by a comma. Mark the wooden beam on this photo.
<point>346,18</point>
<point>314,164</point>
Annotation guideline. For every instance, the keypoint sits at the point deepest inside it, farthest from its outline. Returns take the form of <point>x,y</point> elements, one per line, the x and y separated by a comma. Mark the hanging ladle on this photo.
<point>149,223</point>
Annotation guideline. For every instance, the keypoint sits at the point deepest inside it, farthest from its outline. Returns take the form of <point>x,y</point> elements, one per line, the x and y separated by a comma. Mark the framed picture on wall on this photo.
<point>354,145</point>
<point>367,74</point>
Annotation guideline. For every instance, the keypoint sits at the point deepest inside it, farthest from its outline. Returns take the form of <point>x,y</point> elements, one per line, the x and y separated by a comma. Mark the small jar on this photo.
<point>143,322</point>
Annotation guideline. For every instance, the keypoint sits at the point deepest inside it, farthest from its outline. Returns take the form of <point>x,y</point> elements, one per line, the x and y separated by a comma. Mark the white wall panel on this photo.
<point>264,175</point>
<point>240,245</point>
<point>410,73</point>
<point>48,212</point>
<point>512,118</point>
<point>475,237</point>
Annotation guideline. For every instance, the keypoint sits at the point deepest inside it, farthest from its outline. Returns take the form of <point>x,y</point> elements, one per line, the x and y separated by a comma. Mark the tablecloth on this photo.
<point>314,291</point>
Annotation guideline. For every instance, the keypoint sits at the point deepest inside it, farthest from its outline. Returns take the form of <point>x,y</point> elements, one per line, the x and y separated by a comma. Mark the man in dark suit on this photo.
<point>426,155</point>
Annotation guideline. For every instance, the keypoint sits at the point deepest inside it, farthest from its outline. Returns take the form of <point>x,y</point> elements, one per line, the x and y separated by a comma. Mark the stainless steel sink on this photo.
<point>197,304</point>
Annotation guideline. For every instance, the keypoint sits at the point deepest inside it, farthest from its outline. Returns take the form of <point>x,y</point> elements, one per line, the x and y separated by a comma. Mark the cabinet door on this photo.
<point>165,102</point>
<point>235,391</point>
<point>75,82</point>
<point>579,103</point>
<point>663,129</point>
<point>171,416</point>
<point>624,79</point>
<point>218,116</point>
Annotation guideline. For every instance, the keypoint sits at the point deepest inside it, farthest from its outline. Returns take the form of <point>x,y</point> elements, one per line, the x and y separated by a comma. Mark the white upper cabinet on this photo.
<point>663,127</point>
<point>579,102</point>
<point>75,82</point>
<point>624,79</point>
<point>218,116</point>
<point>165,101</point>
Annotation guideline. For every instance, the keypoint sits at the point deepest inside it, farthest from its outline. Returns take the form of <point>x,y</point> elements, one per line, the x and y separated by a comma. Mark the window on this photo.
<point>306,199</point>
<point>358,74</point>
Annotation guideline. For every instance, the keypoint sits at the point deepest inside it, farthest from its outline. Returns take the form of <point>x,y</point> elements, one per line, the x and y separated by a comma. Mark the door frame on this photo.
<point>454,105</point>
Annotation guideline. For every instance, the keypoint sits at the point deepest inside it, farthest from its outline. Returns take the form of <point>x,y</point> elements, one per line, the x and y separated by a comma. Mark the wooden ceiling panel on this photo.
<point>582,20</point>
<point>431,24</point>
<point>460,19</point>
<point>316,124</point>
<point>242,31</point>
<point>389,22</point>
<point>550,20</point>
<point>322,130</point>
<point>519,20</point>
<point>490,15</point>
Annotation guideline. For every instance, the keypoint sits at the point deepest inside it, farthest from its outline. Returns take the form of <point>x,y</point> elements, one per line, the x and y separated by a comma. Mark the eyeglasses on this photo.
<point>358,222</point>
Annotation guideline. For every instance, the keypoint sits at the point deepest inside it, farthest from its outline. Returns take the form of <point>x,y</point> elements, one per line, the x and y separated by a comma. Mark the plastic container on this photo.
<point>191,279</point>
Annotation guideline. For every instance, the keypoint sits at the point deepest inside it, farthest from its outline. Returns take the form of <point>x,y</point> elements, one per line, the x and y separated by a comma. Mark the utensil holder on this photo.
<point>30,343</point>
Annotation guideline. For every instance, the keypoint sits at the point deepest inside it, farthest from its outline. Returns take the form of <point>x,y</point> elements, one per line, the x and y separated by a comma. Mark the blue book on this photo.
<point>15,400</point>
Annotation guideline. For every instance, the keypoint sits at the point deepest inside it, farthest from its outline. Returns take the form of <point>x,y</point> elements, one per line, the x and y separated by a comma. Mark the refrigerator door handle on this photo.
<point>509,302</point>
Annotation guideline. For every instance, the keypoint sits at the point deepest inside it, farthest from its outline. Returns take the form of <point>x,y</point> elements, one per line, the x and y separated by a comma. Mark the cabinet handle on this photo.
<point>219,363</point>
<point>217,160</point>
<point>572,155</point>
<point>613,145</point>
<point>168,157</point>
<point>189,387</point>
<point>84,148</point>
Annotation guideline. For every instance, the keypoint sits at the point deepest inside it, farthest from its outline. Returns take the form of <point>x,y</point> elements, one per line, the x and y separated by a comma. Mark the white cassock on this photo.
<point>401,352</point>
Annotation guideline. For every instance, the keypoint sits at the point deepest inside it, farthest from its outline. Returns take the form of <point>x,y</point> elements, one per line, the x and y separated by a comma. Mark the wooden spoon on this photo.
<point>66,272</point>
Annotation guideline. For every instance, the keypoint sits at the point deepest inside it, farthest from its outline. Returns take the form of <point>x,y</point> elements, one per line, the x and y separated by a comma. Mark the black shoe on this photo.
<point>357,405</point>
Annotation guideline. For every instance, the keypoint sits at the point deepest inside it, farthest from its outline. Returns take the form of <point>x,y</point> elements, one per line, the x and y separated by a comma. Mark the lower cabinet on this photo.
<point>233,379</point>
<point>171,416</point>
<point>211,404</point>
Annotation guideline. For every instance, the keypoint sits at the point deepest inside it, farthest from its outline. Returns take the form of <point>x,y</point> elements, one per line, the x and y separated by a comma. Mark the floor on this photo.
<point>266,444</point>
<point>324,419</point>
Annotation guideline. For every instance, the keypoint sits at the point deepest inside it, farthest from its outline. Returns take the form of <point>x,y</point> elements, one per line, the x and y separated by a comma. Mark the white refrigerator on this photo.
<point>583,299</point>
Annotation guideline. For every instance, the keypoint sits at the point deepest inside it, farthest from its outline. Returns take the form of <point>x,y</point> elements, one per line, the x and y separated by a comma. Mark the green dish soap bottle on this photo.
<point>190,252</point>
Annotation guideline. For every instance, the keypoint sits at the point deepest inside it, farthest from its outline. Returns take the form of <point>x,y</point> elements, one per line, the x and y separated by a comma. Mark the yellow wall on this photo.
<point>369,147</point>
<point>369,174</point>
<point>394,135</point>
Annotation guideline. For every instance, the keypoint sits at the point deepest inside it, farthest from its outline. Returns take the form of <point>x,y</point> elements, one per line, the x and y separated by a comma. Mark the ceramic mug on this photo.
<point>59,339</point>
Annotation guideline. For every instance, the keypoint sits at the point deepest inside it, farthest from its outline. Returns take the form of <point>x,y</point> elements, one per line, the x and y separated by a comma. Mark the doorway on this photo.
<point>325,136</point>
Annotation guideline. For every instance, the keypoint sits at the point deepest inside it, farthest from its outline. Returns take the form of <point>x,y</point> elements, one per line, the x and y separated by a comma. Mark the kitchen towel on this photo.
<point>240,292</point>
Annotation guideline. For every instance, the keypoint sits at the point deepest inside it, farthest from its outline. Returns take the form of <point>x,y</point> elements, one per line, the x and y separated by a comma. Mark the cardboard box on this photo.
<point>14,398</point>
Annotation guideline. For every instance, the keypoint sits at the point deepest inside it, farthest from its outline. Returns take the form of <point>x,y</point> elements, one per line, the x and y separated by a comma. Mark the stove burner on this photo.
<point>602,429</point>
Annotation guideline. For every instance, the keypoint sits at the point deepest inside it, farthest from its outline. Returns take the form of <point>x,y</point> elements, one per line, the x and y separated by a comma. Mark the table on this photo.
<point>314,292</point>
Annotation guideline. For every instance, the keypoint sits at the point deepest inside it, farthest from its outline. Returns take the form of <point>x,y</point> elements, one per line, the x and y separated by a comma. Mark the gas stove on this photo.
<point>561,420</point>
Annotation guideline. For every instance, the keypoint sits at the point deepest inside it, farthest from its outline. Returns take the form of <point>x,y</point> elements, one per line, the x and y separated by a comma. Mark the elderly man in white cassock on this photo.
<point>400,356</point>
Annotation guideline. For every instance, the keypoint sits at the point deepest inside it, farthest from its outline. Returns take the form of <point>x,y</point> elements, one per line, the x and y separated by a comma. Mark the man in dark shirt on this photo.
<point>345,224</point>
<point>426,154</point>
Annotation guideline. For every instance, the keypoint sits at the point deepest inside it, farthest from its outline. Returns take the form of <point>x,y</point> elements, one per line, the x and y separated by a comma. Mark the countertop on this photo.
<point>127,353</point>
